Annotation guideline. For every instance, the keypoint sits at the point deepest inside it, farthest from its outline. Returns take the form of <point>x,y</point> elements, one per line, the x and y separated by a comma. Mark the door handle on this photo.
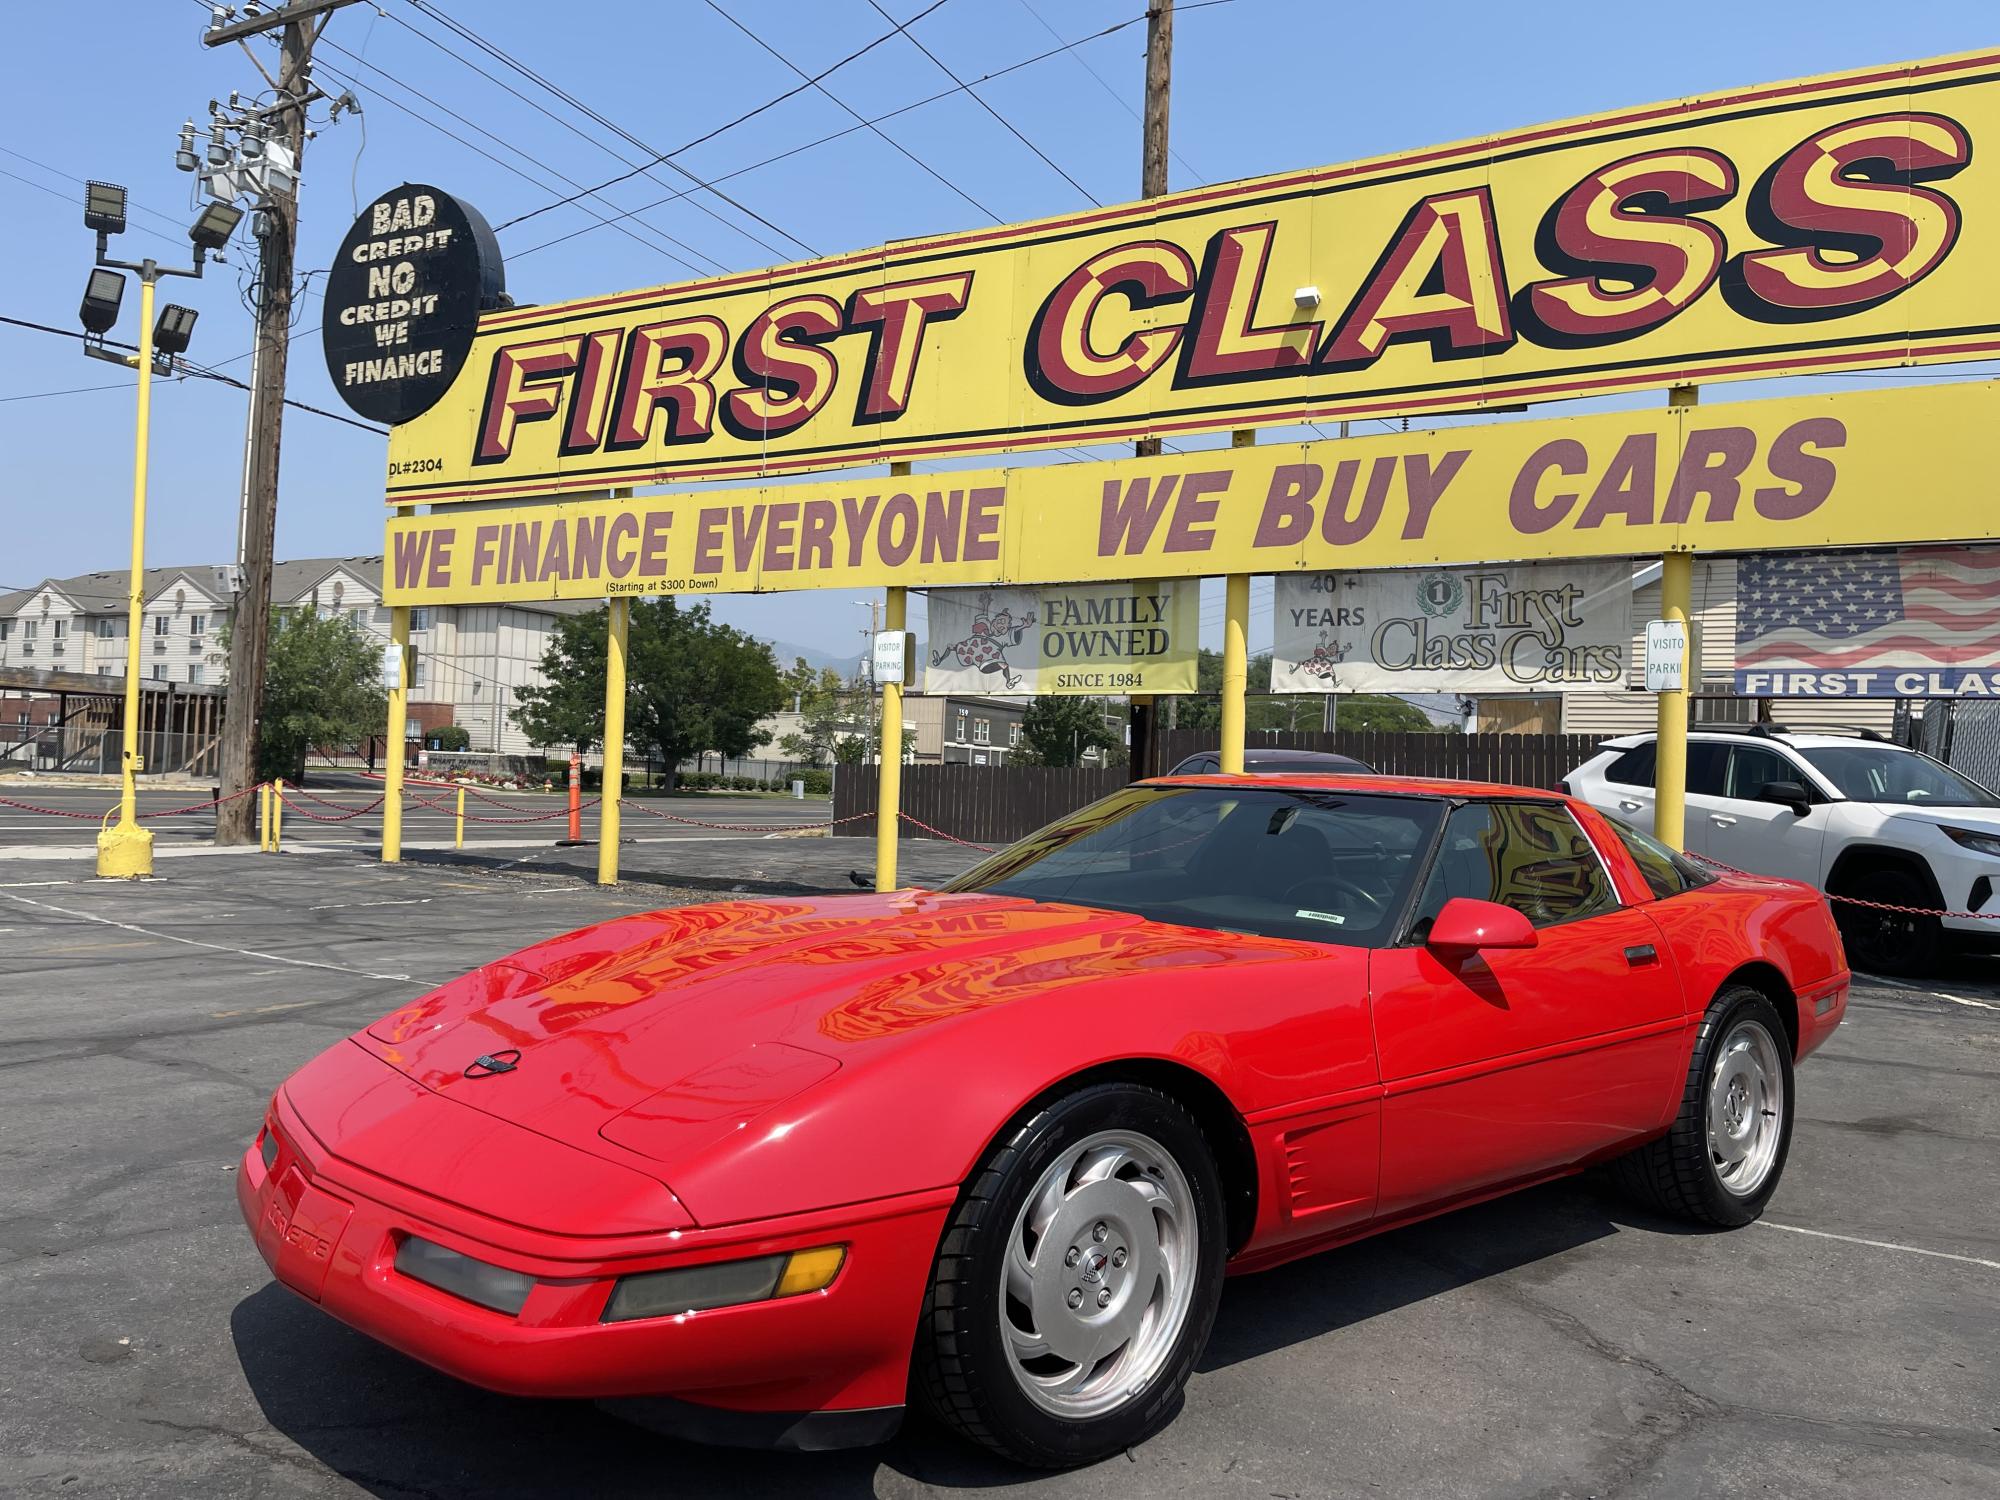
<point>1624,806</point>
<point>1640,954</point>
<point>1722,820</point>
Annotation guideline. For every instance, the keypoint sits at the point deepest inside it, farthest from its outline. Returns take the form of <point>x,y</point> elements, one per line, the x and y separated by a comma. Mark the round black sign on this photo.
<point>403,301</point>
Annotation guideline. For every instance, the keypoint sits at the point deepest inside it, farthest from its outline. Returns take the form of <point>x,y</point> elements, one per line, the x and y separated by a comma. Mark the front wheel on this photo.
<point>1721,1160</point>
<point>1884,941</point>
<point>1077,1280</point>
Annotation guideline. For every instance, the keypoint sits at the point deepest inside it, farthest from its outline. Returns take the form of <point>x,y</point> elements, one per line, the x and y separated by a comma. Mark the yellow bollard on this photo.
<point>278,815</point>
<point>458,839</point>
<point>264,818</point>
<point>889,775</point>
<point>399,711</point>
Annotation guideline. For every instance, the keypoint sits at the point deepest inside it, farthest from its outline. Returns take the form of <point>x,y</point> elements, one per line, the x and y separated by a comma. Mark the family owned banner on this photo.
<point>1501,628</point>
<point>1087,638</point>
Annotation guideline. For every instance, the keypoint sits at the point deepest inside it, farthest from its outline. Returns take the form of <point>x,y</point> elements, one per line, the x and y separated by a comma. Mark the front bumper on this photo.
<point>329,1230</point>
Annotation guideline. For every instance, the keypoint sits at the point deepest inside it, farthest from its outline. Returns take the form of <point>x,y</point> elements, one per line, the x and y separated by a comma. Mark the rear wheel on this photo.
<point>1889,942</point>
<point>1721,1160</point>
<point>1077,1281</point>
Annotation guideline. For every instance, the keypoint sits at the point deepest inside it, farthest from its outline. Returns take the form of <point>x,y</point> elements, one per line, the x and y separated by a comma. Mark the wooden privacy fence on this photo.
<point>980,804</point>
<point>1539,760</point>
<point>998,804</point>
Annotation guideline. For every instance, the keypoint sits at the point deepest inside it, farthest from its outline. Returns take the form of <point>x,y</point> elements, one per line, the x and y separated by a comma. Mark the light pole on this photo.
<point>125,850</point>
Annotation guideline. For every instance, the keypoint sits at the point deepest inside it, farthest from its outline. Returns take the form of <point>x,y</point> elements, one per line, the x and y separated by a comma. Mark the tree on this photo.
<point>1056,732</point>
<point>827,711</point>
<point>1380,711</point>
<point>322,687</point>
<point>692,685</point>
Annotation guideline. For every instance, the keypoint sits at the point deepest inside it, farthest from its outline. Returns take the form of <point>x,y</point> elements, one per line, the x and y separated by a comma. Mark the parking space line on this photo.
<point>168,937</point>
<point>1904,984</point>
<point>401,901</point>
<point>1848,1239</point>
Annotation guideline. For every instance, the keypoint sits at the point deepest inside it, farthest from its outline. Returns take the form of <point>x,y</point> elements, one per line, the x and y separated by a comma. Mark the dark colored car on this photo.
<point>1275,760</point>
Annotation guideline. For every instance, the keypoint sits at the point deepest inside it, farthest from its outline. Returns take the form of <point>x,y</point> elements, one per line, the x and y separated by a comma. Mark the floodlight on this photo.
<point>174,328</point>
<point>184,157</point>
<point>218,221</point>
<point>104,207</point>
<point>101,296</point>
<point>1306,296</point>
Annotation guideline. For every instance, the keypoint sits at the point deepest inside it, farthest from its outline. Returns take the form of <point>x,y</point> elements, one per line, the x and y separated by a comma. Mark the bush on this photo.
<point>818,783</point>
<point>451,737</point>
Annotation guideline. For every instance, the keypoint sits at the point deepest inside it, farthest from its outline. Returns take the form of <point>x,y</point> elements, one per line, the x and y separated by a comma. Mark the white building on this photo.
<point>471,661</point>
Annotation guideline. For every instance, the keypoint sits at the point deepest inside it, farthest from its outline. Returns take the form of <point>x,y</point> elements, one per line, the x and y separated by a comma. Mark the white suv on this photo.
<point>1855,816</point>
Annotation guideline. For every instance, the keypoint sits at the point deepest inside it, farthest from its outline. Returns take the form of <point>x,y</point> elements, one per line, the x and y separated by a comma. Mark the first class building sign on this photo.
<point>403,301</point>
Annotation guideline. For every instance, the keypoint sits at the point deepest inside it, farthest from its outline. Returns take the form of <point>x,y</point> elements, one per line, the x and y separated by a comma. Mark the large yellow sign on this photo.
<point>1795,227</point>
<point>1866,468</point>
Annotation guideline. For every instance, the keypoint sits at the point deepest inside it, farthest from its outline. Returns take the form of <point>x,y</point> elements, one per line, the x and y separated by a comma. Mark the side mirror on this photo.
<point>1786,794</point>
<point>1467,926</point>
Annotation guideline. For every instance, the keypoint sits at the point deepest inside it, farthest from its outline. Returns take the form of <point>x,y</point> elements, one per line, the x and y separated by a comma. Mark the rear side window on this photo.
<point>1666,872</point>
<point>1527,855</point>
<point>1633,768</point>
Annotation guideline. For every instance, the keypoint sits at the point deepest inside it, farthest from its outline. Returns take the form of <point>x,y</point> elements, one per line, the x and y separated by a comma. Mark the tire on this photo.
<point>1011,1352</point>
<point>1723,1179</point>
<point>1884,942</point>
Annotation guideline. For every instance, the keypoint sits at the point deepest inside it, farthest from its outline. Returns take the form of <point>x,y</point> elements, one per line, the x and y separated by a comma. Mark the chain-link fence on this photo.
<point>1964,733</point>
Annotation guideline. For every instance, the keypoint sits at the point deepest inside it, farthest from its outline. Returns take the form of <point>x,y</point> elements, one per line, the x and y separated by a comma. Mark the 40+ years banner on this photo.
<point>1085,639</point>
<point>1839,222</point>
<point>1502,628</point>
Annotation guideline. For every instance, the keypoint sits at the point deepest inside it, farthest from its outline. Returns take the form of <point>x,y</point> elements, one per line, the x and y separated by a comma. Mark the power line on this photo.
<point>842,134</point>
<point>1117,98</point>
<point>749,114</point>
<point>534,104</point>
<point>199,371</point>
<point>659,158</point>
<point>614,220</point>
<point>973,94</point>
<point>875,130</point>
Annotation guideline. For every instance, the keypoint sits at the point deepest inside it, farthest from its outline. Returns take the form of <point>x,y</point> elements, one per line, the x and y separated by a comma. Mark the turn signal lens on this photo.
<point>811,1270</point>
<point>727,1283</point>
<point>268,1148</point>
<point>490,1286</point>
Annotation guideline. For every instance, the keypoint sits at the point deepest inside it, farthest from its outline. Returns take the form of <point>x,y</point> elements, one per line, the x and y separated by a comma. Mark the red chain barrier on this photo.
<point>52,812</point>
<point>949,838</point>
<point>743,827</point>
<point>1911,911</point>
<point>308,813</point>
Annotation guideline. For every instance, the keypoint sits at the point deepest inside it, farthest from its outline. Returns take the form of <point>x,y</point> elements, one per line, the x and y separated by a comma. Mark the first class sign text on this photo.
<point>1834,223</point>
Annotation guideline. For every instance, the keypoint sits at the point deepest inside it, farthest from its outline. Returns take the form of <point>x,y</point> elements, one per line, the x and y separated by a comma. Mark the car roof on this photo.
<point>1410,786</point>
<point>1798,739</point>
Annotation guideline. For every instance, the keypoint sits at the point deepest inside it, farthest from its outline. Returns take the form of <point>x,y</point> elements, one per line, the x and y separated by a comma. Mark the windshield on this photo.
<point>1873,773</point>
<point>1329,867</point>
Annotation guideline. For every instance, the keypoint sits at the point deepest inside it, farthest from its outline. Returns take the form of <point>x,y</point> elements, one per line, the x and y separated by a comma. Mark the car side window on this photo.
<point>1527,855</point>
<point>1665,872</point>
<point>1751,766</point>
<point>1633,768</point>
<point>1707,763</point>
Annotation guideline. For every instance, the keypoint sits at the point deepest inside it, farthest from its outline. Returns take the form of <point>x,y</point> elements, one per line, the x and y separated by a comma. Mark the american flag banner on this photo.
<point>1903,622</point>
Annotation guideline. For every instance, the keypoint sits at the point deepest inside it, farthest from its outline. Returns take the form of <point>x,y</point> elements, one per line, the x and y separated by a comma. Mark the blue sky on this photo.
<point>1259,86</point>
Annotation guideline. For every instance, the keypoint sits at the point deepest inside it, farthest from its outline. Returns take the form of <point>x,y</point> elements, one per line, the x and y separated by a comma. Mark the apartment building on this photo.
<point>470,661</point>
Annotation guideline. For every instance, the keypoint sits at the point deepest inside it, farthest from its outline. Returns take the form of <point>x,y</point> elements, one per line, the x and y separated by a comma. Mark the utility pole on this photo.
<point>1152,184</point>
<point>278,234</point>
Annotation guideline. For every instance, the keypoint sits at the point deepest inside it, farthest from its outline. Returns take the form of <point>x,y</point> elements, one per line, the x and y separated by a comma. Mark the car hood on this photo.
<point>657,1036</point>
<point>1985,819</point>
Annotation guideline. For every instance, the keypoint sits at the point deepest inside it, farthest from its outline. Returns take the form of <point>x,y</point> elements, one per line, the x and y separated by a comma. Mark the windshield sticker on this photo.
<point>1321,916</point>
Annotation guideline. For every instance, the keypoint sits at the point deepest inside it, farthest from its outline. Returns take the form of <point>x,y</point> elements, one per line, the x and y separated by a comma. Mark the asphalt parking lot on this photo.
<point>1557,1343</point>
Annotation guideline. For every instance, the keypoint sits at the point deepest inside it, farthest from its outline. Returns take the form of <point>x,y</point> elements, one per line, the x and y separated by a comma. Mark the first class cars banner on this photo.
<point>1500,628</point>
<point>1789,228</point>
<point>1852,469</point>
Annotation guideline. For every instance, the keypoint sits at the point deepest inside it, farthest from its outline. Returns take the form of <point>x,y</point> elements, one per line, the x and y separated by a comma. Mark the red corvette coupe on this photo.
<point>758,1171</point>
